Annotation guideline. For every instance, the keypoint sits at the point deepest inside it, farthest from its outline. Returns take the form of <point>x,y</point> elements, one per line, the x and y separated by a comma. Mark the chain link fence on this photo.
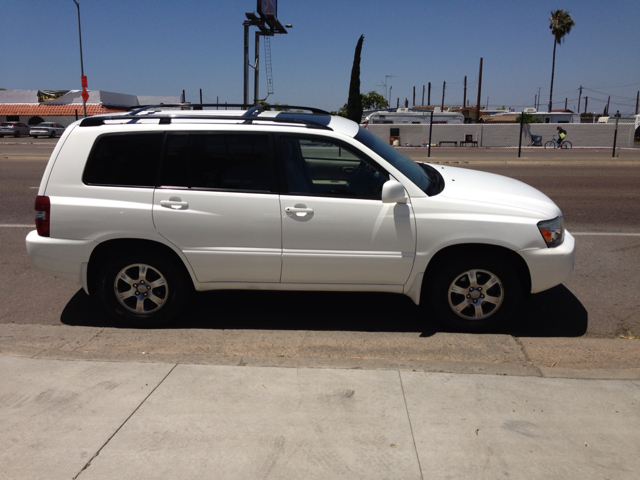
<point>581,135</point>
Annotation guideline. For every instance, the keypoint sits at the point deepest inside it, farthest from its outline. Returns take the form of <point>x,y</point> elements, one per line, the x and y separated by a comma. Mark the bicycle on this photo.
<point>553,143</point>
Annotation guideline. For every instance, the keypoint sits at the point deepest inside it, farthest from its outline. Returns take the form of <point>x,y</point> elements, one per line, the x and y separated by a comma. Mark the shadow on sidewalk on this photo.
<point>554,313</point>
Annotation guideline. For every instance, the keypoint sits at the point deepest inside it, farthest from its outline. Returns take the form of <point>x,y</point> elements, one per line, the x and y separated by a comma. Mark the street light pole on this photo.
<point>84,102</point>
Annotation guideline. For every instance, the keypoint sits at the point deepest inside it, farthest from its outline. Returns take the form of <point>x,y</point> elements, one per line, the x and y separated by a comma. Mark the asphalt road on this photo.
<point>600,198</point>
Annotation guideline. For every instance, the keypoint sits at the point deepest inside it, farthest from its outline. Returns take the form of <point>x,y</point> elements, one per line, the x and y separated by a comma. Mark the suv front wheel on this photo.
<point>473,293</point>
<point>144,290</point>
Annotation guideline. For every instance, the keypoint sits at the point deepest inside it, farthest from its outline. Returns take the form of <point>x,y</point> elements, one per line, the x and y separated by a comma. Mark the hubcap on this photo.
<point>475,294</point>
<point>141,289</point>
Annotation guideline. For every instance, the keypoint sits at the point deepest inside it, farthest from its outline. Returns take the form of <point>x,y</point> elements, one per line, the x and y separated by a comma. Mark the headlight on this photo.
<point>552,231</point>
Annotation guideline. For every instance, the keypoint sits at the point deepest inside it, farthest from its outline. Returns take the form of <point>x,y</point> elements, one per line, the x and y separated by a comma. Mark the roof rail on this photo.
<point>250,109</point>
<point>165,119</point>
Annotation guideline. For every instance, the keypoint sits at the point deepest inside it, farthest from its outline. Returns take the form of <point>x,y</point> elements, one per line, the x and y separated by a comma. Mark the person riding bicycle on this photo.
<point>561,134</point>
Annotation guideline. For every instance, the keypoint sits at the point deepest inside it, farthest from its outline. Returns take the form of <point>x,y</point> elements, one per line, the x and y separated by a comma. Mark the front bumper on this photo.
<point>550,266</point>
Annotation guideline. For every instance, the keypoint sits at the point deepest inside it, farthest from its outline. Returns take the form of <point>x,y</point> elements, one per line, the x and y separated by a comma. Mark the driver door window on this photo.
<point>326,168</point>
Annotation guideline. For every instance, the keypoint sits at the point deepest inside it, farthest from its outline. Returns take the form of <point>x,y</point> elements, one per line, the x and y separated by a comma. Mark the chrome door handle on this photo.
<point>174,203</point>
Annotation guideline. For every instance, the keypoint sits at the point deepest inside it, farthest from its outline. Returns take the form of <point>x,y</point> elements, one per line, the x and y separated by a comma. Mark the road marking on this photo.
<point>603,234</point>
<point>606,234</point>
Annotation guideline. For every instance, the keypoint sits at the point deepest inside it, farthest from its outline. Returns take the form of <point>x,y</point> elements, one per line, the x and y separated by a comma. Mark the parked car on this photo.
<point>46,129</point>
<point>15,129</point>
<point>142,208</point>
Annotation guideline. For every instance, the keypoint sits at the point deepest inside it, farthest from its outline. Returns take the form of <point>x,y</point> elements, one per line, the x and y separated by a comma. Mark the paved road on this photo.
<point>600,204</point>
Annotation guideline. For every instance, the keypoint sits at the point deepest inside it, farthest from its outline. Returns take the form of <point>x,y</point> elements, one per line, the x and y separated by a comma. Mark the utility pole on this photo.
<point>389,101</point>
<point>538,105</point>
<point>83,79</point>
<point>579,98</point>
<point>608,101</point>
<point>565,104</point>
<point>464,97</point>
<point>637,98</point>
<point>444,86</point>
<point>586,99</point>
<point>414,96</point>
<point>423,97</point>
<point>429,97</point>
<point>535,101</point>
<point>479,91</point>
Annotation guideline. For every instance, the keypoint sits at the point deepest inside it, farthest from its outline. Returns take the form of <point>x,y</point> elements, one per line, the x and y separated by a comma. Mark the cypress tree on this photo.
<point>354,104</point>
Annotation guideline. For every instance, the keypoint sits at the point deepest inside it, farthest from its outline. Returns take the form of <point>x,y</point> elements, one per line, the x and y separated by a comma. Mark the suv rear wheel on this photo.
<point>144,290</point>
<point>473,293</point>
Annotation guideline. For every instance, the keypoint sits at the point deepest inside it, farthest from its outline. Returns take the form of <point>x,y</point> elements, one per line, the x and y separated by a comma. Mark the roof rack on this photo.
<point>250,109</point>
<point>247,117</point>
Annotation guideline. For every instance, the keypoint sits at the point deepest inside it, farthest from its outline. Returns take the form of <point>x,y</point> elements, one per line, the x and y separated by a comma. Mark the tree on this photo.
<point>560,24</point>
<point>373,101</point>
<point>528,118</point>
<point>354,103</point>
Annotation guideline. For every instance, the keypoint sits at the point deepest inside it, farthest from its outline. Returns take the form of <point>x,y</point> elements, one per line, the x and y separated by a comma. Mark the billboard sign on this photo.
<point>267,7</point>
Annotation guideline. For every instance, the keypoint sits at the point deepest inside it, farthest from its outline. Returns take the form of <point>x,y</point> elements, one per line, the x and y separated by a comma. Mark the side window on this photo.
<point>130,159</point>
<point>221,161</point>
<point>318,166</point>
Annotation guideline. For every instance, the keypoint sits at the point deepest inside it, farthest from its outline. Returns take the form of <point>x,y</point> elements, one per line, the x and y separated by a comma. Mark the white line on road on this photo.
<point>606,234</point>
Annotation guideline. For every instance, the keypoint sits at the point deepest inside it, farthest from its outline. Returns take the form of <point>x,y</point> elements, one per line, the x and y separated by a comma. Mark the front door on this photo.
<point>335,228</point>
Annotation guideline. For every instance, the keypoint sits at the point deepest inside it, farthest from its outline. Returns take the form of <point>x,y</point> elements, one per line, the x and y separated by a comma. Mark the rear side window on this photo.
<point>218,161</point>
<point>128,160</point>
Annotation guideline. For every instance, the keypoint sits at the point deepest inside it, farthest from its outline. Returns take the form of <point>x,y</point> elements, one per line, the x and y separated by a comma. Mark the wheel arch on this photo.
<point>514,259</point>
<point>106,250</point>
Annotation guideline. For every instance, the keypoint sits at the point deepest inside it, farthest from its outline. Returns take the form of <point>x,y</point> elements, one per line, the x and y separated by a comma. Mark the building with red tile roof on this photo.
<point>65,106</point>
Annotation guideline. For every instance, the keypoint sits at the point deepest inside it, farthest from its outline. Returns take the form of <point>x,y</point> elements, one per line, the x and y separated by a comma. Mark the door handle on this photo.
<point>174,203</point>
<point>299,211</point>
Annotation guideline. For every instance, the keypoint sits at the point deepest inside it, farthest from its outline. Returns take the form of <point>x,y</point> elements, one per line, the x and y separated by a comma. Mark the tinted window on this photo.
<point>407,166</point>
<point>318,166</point>
<point>221,161</point>
<point>124,160</point>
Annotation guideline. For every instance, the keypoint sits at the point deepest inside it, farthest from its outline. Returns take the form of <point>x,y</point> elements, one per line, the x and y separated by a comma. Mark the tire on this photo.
<point>473,293</point>
<point>566,144</point>
<point>52,135</point>
<point>17,134</point>
<point>550,144</point>
<point>144,289</point>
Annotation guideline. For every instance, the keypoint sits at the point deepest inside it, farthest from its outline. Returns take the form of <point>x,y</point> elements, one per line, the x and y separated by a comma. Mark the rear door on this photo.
<point>218,203</point>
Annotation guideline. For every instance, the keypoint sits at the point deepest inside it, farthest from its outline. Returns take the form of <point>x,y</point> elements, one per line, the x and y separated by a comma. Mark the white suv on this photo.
<point>143,208</point>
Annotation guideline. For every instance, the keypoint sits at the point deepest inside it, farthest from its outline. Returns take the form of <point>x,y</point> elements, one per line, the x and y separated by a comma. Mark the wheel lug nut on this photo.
<point>481,296</point>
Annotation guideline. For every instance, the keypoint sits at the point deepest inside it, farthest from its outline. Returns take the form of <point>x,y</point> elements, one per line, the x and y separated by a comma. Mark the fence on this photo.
<point>589,135</point>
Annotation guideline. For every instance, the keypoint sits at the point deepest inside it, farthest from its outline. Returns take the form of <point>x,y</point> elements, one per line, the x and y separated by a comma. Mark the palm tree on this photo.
<point>560,24</point>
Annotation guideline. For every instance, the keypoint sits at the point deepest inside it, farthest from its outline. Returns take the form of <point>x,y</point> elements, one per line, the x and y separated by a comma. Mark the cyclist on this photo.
<point>561,134</point>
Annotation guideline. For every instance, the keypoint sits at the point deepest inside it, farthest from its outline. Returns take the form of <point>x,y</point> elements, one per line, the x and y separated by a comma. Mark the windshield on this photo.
<point>408,167</point>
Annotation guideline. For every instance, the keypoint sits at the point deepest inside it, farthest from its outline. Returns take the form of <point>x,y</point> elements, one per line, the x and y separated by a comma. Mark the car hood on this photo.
<point>489,188</point>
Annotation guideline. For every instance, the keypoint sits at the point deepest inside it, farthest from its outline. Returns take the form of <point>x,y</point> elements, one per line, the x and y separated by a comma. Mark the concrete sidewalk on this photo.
<point>103,420</point>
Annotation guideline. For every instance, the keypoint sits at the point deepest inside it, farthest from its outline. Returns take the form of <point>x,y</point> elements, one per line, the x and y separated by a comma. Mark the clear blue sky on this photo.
<point>160,47</point>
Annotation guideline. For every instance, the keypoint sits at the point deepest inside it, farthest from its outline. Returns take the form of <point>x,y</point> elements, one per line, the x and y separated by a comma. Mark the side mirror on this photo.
<point>393,192</point>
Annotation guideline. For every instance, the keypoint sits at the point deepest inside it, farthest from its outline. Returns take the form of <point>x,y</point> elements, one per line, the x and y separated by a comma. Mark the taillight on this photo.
<point>43,210</point>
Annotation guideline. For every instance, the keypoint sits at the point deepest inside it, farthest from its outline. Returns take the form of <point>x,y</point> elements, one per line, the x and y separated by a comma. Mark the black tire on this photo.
<point>550,144</point>
<point>451,293</point>
<point>566,144</point>
<point>52,135</point>
<point>35,136</point>
<point>144,289</point>
<point>17,134</point>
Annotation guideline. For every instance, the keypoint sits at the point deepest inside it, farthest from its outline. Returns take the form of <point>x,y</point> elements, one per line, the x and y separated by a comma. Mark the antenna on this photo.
<point>385,83</point>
